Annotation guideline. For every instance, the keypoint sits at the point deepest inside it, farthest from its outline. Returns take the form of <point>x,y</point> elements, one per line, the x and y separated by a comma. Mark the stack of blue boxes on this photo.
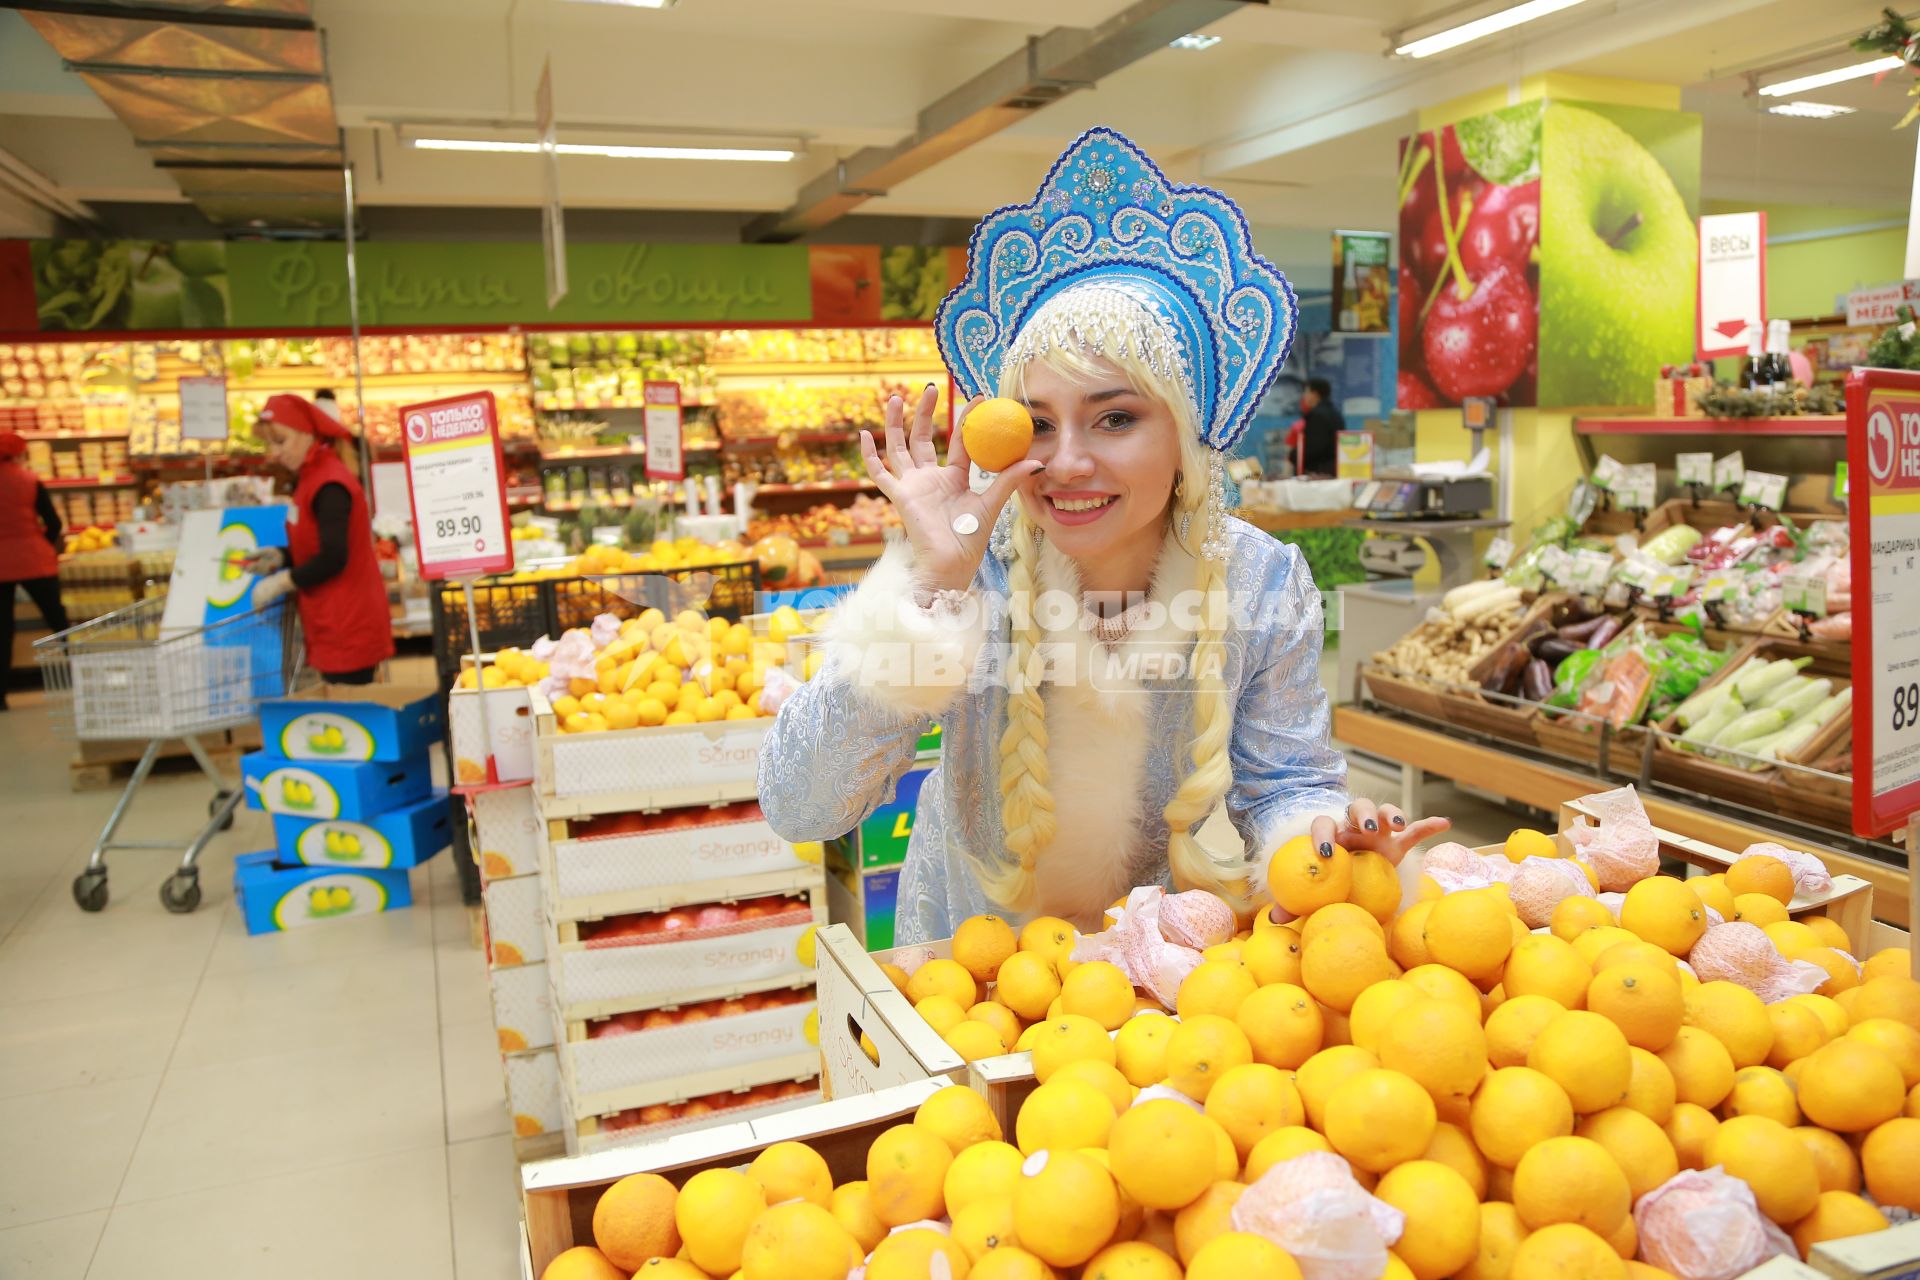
<point>347,775</point>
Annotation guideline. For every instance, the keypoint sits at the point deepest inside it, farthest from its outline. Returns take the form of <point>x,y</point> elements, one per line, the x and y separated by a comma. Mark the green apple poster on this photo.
<point>1548,255</point>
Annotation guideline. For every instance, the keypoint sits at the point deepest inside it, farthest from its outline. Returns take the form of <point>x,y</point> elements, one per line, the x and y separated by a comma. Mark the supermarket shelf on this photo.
<point>798,437</point>
<point>121,434</point>
<point>1448,752</point>
<point>593,453</point>
<point>821,486</point>
<point>296,377</point>
<point>92,482</point>
<point>552,404</point>
<point>823,368</point>
<point>528,497</point>
<point>709,447</point>
<point>1807,425</point>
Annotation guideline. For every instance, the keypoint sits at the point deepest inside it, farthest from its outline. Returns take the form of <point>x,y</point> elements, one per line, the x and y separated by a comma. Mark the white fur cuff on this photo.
<point>905,656</point>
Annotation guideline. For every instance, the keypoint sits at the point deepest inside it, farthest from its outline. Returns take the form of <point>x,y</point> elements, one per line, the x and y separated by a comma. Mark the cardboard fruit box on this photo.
<point>506,832</point>
<point>509,721</point>
<point>274,897</point>
<point>402,837</point>
<point>663,767</point>
<point>558,1196</point>
<point>522,1007</point>
<point>643,862</point>
<point>859,1001</point>
<point>330,789</point>
<point>353,722</point>
<point>516,922</point>
<point>638,1126</point>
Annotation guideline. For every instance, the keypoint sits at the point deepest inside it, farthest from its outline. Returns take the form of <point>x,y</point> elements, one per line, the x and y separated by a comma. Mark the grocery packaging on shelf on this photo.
<point>522,1007</point>
<point>506,832</point>
<point>516,921</point>
<point>533,1096</point>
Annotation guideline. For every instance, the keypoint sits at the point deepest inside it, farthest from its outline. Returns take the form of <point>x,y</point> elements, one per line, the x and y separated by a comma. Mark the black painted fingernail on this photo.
<point>1326,849</point>
<point>1399,822</point>
<point>1372,825</point>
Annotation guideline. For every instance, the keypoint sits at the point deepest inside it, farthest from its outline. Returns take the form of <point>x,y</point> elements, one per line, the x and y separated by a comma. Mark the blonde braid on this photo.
<point>1026,804</point>
<point>1200,791</point>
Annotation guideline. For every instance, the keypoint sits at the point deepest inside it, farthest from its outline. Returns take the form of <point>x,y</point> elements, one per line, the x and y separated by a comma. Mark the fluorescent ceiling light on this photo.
<point>1195,41</point>
<point>1479,28</point>
<point>762,155</point>
<point>1821,79</point>
<point>1810,110</point>
<point>635,4</point>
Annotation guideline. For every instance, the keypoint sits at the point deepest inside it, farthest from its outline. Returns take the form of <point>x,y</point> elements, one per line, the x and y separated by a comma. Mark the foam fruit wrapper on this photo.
<point>1140,949</point>
<point>1196,919</point>
<point>1810,875</point>
<point>1454,867</point>
<point>1541,884</point>
<point>568,657</point>
<point>1312,1207</point>
<point>1743,954</point>
<point>1623,850</point>
<point>1705,1225</point>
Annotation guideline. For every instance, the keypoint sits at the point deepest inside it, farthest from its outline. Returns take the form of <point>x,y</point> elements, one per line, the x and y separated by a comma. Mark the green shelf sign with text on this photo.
<point>305,284</point>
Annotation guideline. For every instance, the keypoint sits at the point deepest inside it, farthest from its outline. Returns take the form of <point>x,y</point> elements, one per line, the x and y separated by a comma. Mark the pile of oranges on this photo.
<point>1515,1094</point>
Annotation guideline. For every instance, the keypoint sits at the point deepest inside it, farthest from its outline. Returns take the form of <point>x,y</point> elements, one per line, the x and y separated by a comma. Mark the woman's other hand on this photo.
<point>947,524</point>
<point>1379,828</point>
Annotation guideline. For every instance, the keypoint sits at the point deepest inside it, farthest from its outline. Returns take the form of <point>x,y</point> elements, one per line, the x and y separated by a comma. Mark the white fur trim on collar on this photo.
<point>907,658</point>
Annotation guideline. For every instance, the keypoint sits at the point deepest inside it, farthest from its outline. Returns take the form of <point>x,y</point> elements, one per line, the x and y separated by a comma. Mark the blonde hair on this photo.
<point>1026,802</point>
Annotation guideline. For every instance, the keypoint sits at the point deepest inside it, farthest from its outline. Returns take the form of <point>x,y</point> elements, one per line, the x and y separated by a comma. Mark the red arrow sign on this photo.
<point>1730,328</point>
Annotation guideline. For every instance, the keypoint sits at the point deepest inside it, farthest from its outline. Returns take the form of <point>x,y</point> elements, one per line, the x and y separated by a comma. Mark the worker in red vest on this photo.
<point>335,579</point>
<point>29,548</point>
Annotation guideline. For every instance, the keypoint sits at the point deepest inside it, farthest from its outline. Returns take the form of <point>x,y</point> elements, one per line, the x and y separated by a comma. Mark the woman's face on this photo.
<point>285,447</point>
<point>1111,454</point>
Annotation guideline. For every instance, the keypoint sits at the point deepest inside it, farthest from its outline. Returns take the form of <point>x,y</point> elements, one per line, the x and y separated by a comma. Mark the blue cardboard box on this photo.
<point>881,891</point>
<point>885,832</point>
<point>274,897</point>
<point>403,837</point>
<point>391,722</point>
<point>329,789</point>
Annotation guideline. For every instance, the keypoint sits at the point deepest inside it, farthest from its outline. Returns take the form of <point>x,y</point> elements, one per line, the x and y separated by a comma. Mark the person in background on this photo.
<point>1323,425</point>
<point>29,548</point>
<point>336,580</point>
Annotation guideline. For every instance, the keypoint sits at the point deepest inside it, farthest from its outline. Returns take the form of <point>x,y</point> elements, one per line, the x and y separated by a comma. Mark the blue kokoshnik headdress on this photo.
<point>1107,216</point>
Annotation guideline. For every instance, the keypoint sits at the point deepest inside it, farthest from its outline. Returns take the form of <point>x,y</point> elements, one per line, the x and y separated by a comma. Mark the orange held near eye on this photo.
<point>998,433</point>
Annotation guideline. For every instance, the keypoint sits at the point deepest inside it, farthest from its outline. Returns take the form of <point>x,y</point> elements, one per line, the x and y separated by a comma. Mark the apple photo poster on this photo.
<point>1548,255</point>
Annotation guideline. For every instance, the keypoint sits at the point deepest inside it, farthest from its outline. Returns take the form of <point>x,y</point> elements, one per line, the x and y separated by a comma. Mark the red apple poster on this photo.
<point>1548,255</point>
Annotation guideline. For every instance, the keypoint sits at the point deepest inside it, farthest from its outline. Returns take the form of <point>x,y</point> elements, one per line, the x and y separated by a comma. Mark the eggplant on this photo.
<point>1604,634</point>
<point>1580,632</point>
<point>1503,671</point>
<point>1536,682</point>
<point>1556,650</point>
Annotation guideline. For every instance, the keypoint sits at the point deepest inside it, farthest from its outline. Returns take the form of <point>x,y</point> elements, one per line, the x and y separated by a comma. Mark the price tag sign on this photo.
<point>1587,572</point>
<point>1883,446</point>
<point>1582,501</point>
<point>666,453</point>
<point>1839,482</point>
<point>203,408</point>
<point>1636,485</point>
<point>1764,489</point>
<point>1804,590</point>
<point>455,482</point>
<point>1670,584</point>
<point>1606,472</point>
<point>1720,586</point>
<point>1729,471</point>
<point>1693,468</point>
<point>1555,563</point>
<point>1499,554</point>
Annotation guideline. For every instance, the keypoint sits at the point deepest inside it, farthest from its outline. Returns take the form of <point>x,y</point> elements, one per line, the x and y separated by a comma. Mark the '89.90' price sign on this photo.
<point>456,481</point>
<point>1883,467</point>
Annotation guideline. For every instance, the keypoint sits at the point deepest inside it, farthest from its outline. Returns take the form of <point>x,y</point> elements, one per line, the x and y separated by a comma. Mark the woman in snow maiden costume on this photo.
<point>1110,653</point>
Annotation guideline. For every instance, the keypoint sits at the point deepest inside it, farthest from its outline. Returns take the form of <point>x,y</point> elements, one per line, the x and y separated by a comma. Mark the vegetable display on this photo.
<point>1759,713</point>
<point>1453,639</point>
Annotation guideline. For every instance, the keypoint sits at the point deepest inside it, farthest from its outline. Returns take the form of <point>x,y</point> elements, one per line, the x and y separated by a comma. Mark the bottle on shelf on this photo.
<point>1779,368</point>
<point>1751,373</point>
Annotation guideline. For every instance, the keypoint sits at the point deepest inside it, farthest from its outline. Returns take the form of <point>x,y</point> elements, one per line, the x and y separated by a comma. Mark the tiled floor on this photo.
<point>178,1099</point>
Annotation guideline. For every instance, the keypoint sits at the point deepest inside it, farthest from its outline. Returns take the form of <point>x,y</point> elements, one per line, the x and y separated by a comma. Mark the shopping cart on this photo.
<point>125,677</point>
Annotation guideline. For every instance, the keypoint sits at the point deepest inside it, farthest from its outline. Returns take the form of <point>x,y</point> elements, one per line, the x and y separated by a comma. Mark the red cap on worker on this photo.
<point>297,413</point>
<point>12,444</point>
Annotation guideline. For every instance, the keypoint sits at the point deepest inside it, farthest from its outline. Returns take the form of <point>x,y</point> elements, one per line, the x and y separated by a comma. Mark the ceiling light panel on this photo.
<point>1481,28</point>
<point>1809,110</point>
<point>1839,75</point>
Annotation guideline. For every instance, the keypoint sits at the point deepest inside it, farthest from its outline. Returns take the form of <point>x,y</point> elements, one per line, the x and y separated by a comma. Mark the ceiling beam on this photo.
<point>1394,98</point>
<point>36,188</point>
<point>181,16</point>
<point>1046,69</point>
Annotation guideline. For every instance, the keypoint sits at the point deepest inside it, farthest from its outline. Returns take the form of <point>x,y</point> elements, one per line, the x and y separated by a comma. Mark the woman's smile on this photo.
<point>1078,507</point>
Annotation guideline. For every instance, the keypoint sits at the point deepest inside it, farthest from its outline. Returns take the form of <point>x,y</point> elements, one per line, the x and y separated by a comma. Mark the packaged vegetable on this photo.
<point>1670,546</point>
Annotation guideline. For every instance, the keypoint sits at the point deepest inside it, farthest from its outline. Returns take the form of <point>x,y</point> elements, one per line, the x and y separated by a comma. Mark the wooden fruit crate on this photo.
<point>558,1196</point>
<point>600,1133</point>
<point>1849,903</point>
<point>856,1000</point>
<point>677,1062</point>
<point>1393,689</point>
<point>593,981</point>
<point>628,770</point>
<point>722,860</point>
